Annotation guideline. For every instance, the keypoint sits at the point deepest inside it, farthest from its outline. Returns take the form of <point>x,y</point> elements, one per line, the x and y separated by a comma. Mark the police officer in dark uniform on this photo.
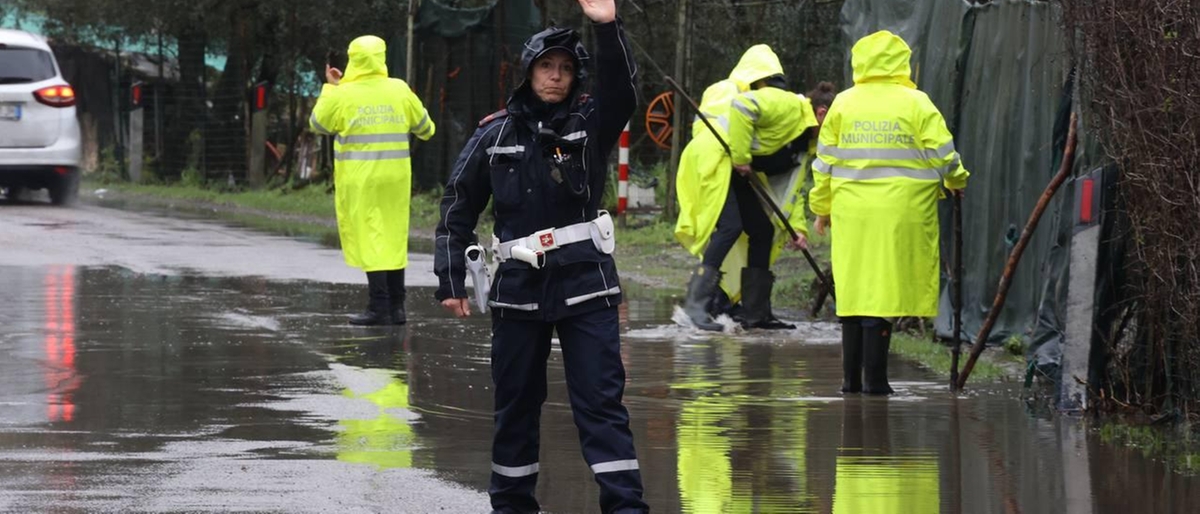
<point>542,161</point>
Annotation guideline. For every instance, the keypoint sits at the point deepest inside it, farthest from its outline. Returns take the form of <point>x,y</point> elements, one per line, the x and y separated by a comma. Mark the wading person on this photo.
<point>883,157</point>
<point>371,116</point>
<point>763,137</point>
<point>768,129</point>
<point>542,163</point>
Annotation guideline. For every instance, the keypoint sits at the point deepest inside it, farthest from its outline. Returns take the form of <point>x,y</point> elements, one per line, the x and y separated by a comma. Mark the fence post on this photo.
<point>256,172</point>
<point>1081,294</point>
<point>135,140</point>
<point>623,175</point>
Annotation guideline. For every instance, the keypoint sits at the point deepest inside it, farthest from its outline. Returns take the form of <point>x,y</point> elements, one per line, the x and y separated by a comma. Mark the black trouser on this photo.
<point>742,213</point>
<point>591,353</point>
<point>387,288</point>
<point>865,345</point>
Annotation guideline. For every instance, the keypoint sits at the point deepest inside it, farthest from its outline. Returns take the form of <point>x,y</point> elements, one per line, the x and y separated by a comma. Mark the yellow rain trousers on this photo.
<point>883,155</point>
<point>702,180</point>
<point>371,117</point>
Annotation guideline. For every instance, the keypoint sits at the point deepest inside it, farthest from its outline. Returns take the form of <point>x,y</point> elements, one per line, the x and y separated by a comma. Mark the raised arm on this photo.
<point>616,73</point>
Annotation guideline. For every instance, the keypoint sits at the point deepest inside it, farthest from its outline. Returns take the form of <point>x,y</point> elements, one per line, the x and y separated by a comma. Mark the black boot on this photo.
<point>852,355</point>
<point>877,340</point>
<point>756,300</point>
<point>700,290</point>
<point>377,305</point>
<point>396,295</point>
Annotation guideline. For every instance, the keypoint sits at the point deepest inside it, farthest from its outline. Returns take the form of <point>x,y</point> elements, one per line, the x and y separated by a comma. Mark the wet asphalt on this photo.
<point>152,364</point>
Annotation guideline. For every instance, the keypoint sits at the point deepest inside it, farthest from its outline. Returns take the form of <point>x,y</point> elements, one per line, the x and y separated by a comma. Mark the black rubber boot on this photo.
<point>852,355</point>
<point>700,290</point>
<point>877,340</point>
<point>756,300</point>
<point>377,304</point>
<point>396,296</point>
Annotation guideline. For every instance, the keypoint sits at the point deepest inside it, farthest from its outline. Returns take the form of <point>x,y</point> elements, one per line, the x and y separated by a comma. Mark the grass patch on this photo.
<point>795,280</point>
<point>309,201</point>
<point>307,213</point>
<point>1177,446</point>
<point>651,251</point>
<point>991,366</point>
<point>651,254</point>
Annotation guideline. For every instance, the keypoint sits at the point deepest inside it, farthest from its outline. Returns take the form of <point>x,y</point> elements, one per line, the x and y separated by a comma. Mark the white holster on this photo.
<point>477,267</point>
<point>532,249</point>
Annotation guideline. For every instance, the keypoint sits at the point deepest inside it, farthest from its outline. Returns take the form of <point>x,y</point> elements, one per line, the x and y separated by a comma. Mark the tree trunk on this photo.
<point>187,113</point>
<point>225,137</point>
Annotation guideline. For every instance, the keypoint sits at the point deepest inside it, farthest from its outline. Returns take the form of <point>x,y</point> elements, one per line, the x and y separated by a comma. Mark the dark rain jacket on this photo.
<point>508,159</point>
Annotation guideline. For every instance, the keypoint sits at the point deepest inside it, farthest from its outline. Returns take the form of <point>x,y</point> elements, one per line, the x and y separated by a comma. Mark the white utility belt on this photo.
<point>532,249</point>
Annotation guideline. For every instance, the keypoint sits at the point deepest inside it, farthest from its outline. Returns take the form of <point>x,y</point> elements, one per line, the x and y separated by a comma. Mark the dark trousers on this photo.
<point>591,351</point>
<point>385,290</point>
<point>742,213</point>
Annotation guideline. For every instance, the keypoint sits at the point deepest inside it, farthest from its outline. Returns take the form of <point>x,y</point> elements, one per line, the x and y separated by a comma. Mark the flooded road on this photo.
<point>130,391</point>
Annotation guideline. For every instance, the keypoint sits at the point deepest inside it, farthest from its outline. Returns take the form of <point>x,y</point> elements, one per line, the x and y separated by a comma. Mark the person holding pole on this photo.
<point>754,124</point>
<point>884,154</point>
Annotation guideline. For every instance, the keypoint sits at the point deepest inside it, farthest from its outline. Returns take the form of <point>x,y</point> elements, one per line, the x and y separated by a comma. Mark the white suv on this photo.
<point>39,134</point>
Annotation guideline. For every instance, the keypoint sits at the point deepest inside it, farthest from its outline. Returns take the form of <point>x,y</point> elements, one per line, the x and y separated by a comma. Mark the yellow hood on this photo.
<point>882,57</point>
<point>759,62</point>
<point>367,59</point>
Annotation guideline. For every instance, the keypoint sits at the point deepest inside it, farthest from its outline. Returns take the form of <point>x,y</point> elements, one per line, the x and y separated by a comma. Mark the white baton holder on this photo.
<point>534,258</point>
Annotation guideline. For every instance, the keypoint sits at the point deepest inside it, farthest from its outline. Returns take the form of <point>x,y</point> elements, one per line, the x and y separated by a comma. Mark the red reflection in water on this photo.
<point>61,377</point>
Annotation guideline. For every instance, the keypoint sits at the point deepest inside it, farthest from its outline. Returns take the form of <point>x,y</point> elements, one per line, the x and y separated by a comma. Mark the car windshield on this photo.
<point>22,65</point>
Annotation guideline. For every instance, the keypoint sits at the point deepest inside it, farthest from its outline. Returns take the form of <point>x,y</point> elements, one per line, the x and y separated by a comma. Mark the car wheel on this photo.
<point>65,190</point>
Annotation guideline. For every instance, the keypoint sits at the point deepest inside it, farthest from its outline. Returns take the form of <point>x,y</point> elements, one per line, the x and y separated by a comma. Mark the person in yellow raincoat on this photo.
<point>883,155</point>
<point>787,189</point>
<point>371,116</point>
<point>756,116</point>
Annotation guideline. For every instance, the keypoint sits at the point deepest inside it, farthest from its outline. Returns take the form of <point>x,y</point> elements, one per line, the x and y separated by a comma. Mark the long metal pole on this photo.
<point>957,259</point>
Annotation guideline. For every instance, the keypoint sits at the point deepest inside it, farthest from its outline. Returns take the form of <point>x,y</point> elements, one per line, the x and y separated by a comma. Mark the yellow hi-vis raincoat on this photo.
<point>702,180</point>
<point>371,116</point>
<point>761,123</point>
<point>884,152</point>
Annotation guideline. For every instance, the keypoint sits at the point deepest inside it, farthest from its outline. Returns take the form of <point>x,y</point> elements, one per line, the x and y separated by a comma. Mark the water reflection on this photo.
<point>385,440</point>
<point>62,379</point>
<point>870,476</point>
<point>740,449</point>
<point>117,369</point>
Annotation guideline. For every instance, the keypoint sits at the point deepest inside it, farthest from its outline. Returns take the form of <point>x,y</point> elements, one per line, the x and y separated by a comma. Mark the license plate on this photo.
<point>10,112</point>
